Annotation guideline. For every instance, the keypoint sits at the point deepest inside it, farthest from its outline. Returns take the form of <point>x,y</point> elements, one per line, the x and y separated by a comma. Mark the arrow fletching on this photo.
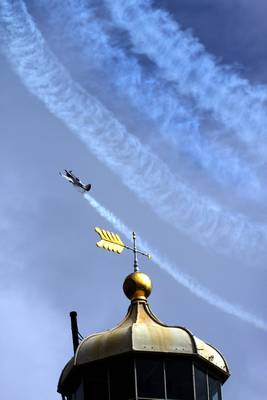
<point>109,241</point>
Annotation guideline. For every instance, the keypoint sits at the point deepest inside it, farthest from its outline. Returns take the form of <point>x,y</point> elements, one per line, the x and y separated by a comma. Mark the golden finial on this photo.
<point>137,286</point>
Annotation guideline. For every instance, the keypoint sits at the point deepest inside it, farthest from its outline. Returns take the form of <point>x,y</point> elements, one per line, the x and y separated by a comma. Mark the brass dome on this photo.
<point>142,331</point>
<point>137,286</point>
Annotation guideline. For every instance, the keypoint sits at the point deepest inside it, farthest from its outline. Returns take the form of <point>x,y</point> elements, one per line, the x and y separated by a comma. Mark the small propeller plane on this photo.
<point>69,176</point>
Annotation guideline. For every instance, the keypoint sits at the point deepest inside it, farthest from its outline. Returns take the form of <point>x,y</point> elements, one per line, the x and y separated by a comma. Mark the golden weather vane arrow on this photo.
<point>112,242</point>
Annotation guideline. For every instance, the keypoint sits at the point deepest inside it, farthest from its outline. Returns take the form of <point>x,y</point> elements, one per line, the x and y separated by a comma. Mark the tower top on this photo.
<point>140,341</point>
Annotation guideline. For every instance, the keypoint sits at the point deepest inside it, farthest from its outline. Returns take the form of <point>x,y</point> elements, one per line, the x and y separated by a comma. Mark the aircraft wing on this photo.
<point>69,174</point>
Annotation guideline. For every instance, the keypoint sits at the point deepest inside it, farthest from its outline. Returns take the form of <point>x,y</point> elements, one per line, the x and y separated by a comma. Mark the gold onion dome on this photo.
<point>141,331</point>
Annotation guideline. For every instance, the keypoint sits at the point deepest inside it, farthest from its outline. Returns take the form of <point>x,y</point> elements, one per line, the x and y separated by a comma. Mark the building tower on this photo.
<point>142,358</point>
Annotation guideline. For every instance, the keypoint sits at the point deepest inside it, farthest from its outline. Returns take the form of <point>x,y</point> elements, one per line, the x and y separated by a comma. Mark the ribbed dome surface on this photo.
<point>142,331</point>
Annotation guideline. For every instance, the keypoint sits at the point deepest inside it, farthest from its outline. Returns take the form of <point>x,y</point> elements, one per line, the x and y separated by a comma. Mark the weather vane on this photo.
<point>112,242</point>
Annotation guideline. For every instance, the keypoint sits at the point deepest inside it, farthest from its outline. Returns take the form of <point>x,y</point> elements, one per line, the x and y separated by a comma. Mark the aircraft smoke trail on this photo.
<point>184,279</point>
<point>182,59</point>
<point>178,123</point>
<point>139,169</point>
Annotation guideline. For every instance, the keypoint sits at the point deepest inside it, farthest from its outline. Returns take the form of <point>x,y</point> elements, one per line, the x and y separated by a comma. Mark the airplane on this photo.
<point>69,176</point>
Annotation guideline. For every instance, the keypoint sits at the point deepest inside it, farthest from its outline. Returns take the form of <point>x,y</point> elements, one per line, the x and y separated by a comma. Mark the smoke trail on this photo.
<point>140,170</point>
<point>182,59</point>
<point>185,280</point>
<point>150,94</point>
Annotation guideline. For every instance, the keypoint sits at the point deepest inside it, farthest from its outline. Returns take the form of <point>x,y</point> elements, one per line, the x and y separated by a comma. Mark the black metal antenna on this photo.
<point>74,330</point>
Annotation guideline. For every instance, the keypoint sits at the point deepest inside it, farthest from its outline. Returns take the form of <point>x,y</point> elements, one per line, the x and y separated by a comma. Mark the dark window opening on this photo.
<point>214,389</point>
<point>96,383</point>
<point>144,377</point>
<point>179,379</point>
<point>201,384</point>
<point>78,395</point>
<point>122,381</point>
<point>150,378</point>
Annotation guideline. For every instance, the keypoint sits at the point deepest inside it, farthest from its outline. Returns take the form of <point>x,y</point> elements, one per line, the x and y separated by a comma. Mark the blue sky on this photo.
<point>162,108</point>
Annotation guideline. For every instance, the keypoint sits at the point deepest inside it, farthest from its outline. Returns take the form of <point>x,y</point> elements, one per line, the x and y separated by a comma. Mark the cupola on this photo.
<point>143,358</point>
